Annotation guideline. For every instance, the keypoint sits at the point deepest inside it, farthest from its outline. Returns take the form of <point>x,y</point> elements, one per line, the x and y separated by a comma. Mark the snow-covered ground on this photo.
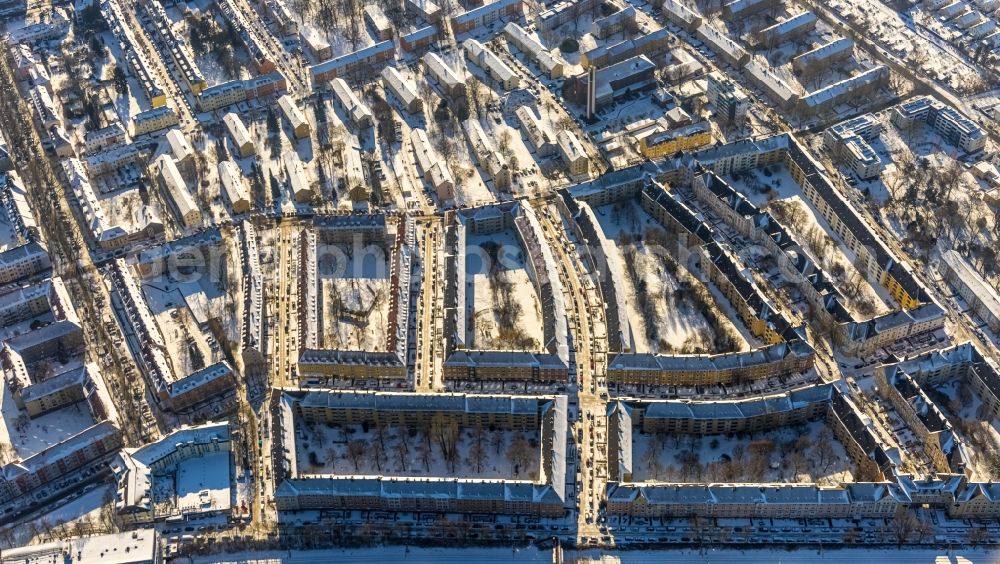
<point>676,324</point>
<point>181,310</point>
<point>355,313</point>
<point>83,509</point>
<point>485,325</point>
<point>8,238</point>
<point>332,450</point>
<point>27,436</point>
<point>354,297</point>
<point>955,214</point>
<point>805,453</point>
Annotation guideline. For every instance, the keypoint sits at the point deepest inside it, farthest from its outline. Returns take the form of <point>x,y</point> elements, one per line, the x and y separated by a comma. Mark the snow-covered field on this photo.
<point>663,320</point>
<point>480,453</point>
<point>806,453</point>
<point>27,436</point>
<point>181,310</point>
<point>497,292</point>
<point>354,298</point>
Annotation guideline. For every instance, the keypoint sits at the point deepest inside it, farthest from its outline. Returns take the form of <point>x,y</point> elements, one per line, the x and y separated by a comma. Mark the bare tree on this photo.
<point>903,525</point>
<point>355,452</point>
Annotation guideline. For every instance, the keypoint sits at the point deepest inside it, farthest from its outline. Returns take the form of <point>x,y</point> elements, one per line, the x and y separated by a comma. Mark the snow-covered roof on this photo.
<point>137,546</point>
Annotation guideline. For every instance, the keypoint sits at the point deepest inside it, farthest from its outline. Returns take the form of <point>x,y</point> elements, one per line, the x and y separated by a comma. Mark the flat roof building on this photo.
<point>980,296</point>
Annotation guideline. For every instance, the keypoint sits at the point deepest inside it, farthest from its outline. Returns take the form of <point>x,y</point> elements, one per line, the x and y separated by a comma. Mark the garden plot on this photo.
<point>806,453</point>
<point>774,188</point>
<point>354,299</point>
<point>440,449</point>
<point>671,310</point>
<point>22,436</point>
<point>182,311</point>
<point>502,306</point>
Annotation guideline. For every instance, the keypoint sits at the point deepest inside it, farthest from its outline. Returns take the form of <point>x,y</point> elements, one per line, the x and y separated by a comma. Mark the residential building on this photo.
<point>363,62</point>
<point>822,57</point>
<point>945,120</point>
<point>484,15</point>
<point>298,181</point>
<point>541,138</point>
<point>131,547</point>
<point>154,120</point>
<point>380,24</point>
<point>544,496</point>
<point>419,39</point>
<point>348,101</point>
<point>671,141</point>
<point>296,119</point>
<point>778,33</point>
<point>722,45</point>
<point>650,44</point>
<point>730,101</point>
<point>279,12</point>
<point>403,88</point>
<point>177,191</point>
<point>137,471</point>
<point>427,10</point>
<point>446,77</point>
<point>180,147</point>
<point>681,15</point>
<point>860,85</point>
<point>573,153</point>
<point>622,21</point>
<point>533,49</point>
<point>233,187</point>
<point>62,460</point>
<point>316,43</point>
<point>739,9</point>
<point>848,141</point>
<point>435,170</point>
<point>489,158</point>
<point>240,136</point>
<point>491,64</point>
<point>980,296</point>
